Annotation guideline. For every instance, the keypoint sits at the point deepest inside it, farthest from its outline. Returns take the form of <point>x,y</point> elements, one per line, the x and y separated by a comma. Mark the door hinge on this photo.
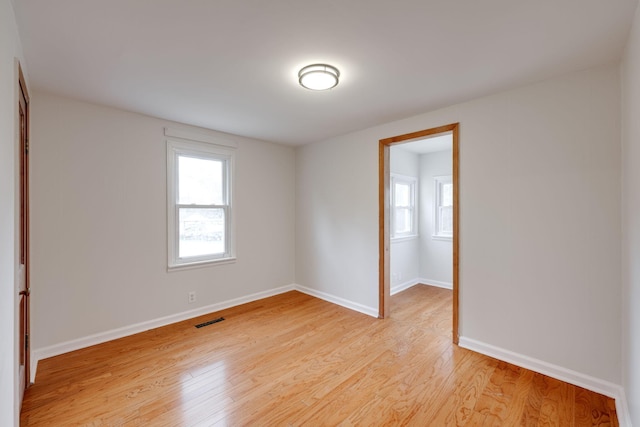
<point>26,342</point>
<point>26,146</point>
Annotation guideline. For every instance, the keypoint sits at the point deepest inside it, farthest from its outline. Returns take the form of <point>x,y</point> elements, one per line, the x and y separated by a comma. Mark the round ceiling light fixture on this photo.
<point>318,77</point>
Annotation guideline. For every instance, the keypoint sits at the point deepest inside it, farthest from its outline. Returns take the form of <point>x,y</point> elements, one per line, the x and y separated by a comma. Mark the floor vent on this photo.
<point>210,322</point>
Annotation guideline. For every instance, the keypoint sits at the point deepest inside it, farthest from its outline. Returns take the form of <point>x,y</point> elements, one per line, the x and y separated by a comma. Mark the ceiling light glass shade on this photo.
<point>318,77</point>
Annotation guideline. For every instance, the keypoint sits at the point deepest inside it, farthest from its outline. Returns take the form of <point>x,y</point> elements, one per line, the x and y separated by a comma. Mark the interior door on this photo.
<point>23,282</point>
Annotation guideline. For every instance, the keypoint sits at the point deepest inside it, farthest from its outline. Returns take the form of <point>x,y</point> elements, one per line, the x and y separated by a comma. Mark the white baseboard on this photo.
<point>99,338</point>
<point>576,378</point>
<point>588,382</point>
<point>436,283</point>
<point>404,286</point>
<point>339,301</point>
<point>420,281</point>
<point>622,409</point>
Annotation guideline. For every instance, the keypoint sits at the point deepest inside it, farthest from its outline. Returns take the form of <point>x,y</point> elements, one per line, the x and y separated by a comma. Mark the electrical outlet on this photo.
<point>192,297</point>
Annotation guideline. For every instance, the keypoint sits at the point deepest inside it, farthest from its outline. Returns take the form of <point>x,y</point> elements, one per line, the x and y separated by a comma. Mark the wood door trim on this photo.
<point>384,239</point>
<point>24,226</point>
<point>384,291</point>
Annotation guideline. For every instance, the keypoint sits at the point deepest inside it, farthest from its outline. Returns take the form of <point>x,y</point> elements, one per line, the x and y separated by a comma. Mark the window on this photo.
<point>200,215</point>
<point>443,215</point>
<point>403,207</point>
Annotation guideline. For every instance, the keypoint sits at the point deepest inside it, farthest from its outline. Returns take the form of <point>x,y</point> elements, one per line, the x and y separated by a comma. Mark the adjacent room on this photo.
<point>337,213</point>
<point>422,213</point>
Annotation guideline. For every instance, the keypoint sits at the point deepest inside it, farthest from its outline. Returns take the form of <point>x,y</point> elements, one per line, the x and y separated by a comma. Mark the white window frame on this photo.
<point>439,181</point>
<point>203,150</point>
<point>413,208</point>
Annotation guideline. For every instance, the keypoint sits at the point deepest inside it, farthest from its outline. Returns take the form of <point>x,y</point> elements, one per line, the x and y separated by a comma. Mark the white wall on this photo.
<point>631,221</point>
<point>540,259</point>
<point>405,253</point>
<point>336,219</point>
<point>99,259</point>
<point>10,49</point>
<point>436,256</point>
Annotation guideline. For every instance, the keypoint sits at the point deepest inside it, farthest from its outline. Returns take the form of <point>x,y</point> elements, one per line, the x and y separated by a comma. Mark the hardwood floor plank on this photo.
<point>582,411</point>
<point>613,416</point>
<point>498,394</point>
<point>537,394</point>
<point>557,406</point>
<point>295,360</point>
<point>467,389</point>
<point>600,414</point>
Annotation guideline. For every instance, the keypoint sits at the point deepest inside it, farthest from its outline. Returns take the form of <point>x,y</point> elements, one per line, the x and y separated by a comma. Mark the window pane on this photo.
<point>446,219</point>
<point>202,232</point>
<point>447,194</point>
<point>200,181</point>
<point>403,221</point>
<point>402,194</point>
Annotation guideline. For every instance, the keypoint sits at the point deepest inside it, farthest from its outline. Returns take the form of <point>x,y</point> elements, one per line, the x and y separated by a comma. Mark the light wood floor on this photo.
<point>296,360</point>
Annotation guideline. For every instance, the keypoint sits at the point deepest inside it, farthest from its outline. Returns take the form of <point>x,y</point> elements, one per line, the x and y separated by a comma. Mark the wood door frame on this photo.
<point>384,225</point>
<point>24,231</point>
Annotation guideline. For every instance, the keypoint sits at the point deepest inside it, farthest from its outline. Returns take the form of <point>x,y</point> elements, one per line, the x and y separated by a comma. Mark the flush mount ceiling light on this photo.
<point>318,77</point>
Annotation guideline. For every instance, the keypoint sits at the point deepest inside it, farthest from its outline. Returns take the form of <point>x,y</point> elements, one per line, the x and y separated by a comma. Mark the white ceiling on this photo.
<point>440,142</point>
<point>231,65</point>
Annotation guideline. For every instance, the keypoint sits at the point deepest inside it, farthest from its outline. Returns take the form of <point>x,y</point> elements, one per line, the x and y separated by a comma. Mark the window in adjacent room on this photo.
<point>403,207</point>
<point>443,215</point>
<point>200,216</point>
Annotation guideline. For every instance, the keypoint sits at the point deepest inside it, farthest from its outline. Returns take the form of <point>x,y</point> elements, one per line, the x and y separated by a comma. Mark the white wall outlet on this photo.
<point>192,297</point>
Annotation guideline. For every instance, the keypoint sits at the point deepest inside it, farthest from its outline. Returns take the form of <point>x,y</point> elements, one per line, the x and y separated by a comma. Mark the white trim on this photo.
<point>436,283</point>
<point>597,385</point>
<point>413,208</point>
<point>99,338</point>
<point>622,409</point>
<point>407,178</point>
<point>201,264</point>
<point>442,237</point>
<point>420,281</point>
<point>404,286</point>
<point>337,300</point>
<point>594,384</point>
<point>404,238</point>
<point>33,367</point>
<point>176,148</point>
<point>199,136</point>
<point>439,181</point>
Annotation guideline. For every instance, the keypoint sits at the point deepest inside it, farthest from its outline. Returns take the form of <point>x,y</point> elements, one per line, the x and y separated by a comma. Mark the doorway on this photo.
<point>385,214</point>
<point>23,268</point>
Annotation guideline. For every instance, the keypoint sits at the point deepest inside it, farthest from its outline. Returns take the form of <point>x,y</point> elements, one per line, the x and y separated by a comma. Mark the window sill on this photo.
<point>201,264</point>
<point>445,238</point>
<point>404,238</point>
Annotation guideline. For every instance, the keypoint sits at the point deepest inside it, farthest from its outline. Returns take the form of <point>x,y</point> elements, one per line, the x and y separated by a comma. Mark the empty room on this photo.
<point>319,213</point>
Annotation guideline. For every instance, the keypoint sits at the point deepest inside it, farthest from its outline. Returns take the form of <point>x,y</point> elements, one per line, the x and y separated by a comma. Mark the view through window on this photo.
<point>200,203</point>
<point>443,207</point>
<point>403,202</point>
